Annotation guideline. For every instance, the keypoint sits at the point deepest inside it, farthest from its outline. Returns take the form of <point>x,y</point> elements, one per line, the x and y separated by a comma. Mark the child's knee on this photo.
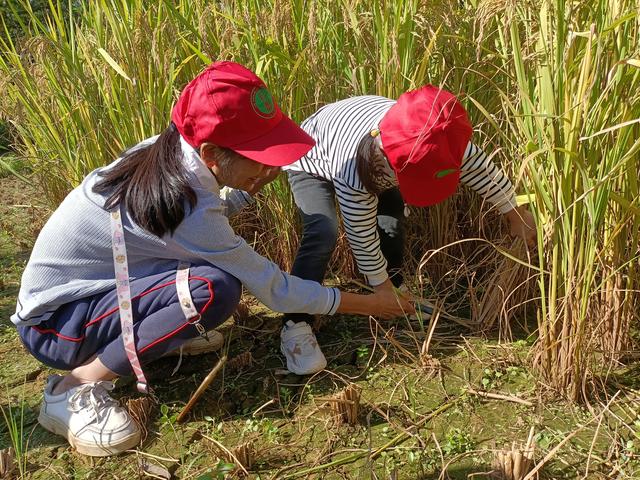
<point>216,296</point>
<point>227,291</point>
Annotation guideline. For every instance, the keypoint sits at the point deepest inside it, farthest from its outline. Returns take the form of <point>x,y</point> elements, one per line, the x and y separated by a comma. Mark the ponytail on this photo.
<point>369,166</point>
<point>152,183</point>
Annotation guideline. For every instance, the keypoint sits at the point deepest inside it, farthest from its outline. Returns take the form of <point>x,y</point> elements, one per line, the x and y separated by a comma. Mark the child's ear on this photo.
<point>208,154</point>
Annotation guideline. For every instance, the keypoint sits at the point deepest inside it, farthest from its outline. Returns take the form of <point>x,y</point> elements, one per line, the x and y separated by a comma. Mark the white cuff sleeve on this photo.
<point>378,279</point>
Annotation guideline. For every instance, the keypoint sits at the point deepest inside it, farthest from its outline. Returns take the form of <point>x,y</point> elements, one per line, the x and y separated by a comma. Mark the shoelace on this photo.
<point>305,339</point>
<point>93,395</point>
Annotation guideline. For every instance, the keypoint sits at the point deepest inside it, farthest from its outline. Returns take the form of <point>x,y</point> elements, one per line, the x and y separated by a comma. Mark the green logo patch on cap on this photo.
<point>444,173</point>
<point>263,103</point>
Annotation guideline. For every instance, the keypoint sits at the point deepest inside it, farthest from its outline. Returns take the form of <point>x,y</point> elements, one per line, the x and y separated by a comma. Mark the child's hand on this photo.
<point>391,302</point>
<point>522,224</point>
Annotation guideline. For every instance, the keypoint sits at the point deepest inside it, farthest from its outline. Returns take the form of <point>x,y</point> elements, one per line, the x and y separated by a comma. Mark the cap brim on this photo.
<point>416,189</point>
<point>282,145</point>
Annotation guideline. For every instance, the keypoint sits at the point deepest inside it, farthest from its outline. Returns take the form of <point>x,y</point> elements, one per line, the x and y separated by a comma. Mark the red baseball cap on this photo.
<point>229,106</point>
<point>424,137</point>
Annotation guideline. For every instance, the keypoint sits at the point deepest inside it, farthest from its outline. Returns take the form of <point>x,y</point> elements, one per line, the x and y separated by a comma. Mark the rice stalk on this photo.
<point>506,288</point>
<point>140,409</point>
<point>571,87</point>
<point>346,404</point>
<point>16,455</point>
<point>244,454</point>
<point>7,463</point>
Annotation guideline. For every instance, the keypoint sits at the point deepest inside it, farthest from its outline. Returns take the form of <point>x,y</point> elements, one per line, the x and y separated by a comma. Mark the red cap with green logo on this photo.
<point>424,137</point>
<point>230,106</point>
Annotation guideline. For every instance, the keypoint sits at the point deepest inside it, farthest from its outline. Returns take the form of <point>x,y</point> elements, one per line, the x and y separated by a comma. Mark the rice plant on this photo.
<point>574,109</point>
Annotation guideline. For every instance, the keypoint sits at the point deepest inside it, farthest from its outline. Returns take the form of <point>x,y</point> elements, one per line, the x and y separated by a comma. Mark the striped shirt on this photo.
<point>337,129</point>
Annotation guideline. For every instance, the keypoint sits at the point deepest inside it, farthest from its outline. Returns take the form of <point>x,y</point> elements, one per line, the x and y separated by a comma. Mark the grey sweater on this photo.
<point>72,256</point>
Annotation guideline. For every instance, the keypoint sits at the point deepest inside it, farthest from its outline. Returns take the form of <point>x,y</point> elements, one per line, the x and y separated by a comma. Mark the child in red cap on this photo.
<point>140,260</point>
<point>374,155</point>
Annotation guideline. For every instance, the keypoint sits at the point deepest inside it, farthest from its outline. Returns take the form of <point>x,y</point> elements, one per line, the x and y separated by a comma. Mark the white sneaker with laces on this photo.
<point>91,421</point>
<point>300,347</point>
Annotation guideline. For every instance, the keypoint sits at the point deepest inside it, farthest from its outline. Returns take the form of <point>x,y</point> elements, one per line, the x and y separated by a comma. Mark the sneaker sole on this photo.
<point>213,346</point>
<point>89,449</point>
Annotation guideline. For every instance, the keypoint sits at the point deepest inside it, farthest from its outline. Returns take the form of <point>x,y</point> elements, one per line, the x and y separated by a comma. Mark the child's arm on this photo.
<point>235,200</point>
<point>483,176</point>
<point>359,214</point>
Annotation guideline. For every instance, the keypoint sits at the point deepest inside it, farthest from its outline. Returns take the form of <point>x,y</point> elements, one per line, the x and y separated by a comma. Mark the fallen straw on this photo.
<point>203,386</point>
<point>499,396</point>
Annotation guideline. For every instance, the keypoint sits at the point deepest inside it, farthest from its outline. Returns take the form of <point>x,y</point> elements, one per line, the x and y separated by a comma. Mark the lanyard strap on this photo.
<point>184,298</point>
<point>184,293</point>
<point>121,268</point>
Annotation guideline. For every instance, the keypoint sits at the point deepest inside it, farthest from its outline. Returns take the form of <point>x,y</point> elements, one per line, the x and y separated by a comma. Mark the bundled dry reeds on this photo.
<point>346,404</point>
<point>515,463</point>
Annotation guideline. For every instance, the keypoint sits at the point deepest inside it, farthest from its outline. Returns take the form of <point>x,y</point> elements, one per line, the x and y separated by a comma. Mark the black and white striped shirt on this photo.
<point>337,129</point>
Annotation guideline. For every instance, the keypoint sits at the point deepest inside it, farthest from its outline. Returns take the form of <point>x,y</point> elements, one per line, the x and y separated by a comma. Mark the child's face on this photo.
<point>238,172</point>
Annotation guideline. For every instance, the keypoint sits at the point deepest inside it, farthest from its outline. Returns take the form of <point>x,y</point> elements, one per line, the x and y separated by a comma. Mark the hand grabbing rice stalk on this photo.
<point>522,224</point>
<point>376,155</point>
<point>140,259</point>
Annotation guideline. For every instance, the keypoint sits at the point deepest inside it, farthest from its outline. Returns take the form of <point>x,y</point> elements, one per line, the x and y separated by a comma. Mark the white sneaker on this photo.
<point>200,345</point>
<point>91,421</point>
<point>300,347</point>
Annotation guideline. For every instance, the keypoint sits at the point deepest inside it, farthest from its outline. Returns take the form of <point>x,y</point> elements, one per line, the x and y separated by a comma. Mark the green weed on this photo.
<point>14,424</point>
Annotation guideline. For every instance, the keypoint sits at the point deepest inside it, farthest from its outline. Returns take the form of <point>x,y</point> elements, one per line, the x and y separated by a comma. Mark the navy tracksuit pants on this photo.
<point>80,330</point>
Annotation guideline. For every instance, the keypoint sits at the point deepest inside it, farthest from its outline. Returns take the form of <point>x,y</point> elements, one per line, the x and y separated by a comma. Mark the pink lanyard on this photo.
<point>121,268</point>
<point>120,264</point>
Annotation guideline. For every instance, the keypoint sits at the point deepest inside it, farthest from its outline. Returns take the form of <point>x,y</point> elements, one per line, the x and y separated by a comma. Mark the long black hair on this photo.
<point>369,165</point>
<point>152,183</point>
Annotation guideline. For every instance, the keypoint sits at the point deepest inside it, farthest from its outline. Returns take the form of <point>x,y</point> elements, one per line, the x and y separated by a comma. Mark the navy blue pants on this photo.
<point>315,199</point>
<point>80,330</point>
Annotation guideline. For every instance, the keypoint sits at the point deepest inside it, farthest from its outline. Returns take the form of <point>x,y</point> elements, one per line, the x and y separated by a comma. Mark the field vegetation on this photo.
<point>550,333</point>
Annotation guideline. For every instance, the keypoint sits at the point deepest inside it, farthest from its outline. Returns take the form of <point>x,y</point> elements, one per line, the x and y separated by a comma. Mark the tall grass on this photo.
<point>552,87</point>
<point>105,76</point>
